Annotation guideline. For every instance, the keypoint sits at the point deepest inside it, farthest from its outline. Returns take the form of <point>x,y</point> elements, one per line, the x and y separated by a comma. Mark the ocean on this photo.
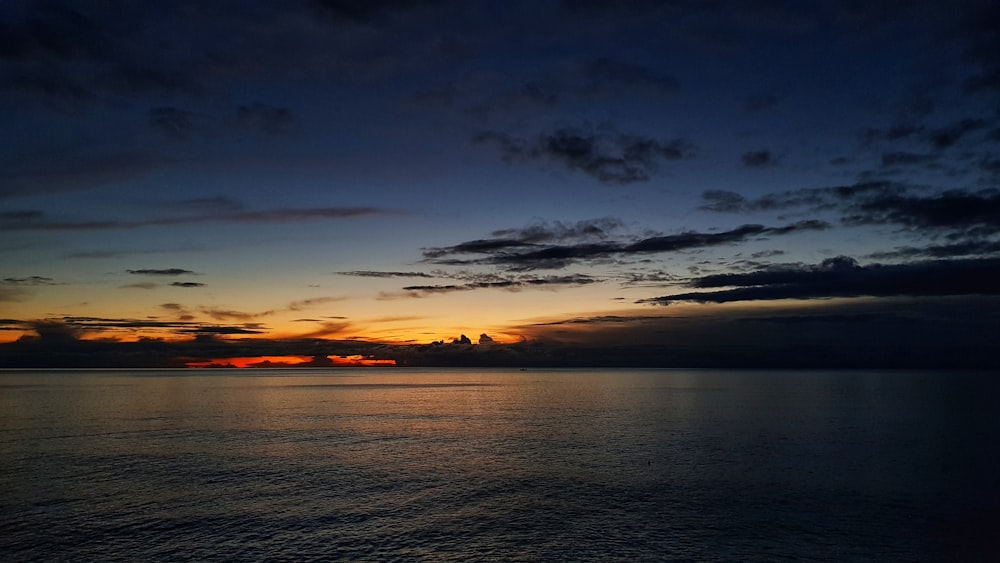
<point>373,464</point>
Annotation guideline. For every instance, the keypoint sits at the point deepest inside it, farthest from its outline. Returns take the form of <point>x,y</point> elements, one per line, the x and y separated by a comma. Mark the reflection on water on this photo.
<point>577,464</point>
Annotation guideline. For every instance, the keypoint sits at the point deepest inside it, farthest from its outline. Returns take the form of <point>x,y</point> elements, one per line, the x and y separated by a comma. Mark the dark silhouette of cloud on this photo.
<point>964,248</point>
<point>935,138</point>
<point>844,277</point>
<point>161,272</point>
<point>205,330</point>
<point>610,158</point>
<point>683,241</point>
<point>905,158</point>
<point>959,211</point>
<point>948,136</point>
<point>492,281</point>
<point>543,232</point>
<point>981,23</point>
<point>367,13</point>
<point>952,209</point>
<point>69,57</point>
<point>521,255</point>
<point>377,274</point>
<point>30,280</point>
<point>143,285</point>
<point>187,284</point>
<point>758,159</point>
<point>174,122</point>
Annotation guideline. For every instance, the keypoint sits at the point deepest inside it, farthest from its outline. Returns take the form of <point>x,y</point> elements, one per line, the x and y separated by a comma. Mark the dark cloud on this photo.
<point>30,280</point>
<point>187,284</point>
<point>609,157</point>
<point>843,277</point>
<point>174,122</point>
<point>758,159</point>
<point>684,241</point>
<point>725,201</point>
<point>377,274</point>
<point>894,133</point>
<point>266,118</point>
<point>991,165</point>
<point>161,272</point>
<point>963,212</point>
<point>532,236</point>
<point>557,231</point>
<point>651,278</point>
<point>964,248</point>
<point>368,13</point>
<point>22,215</point>
<point>520,255</point>
<point>948,136</point>
<point>892,332</point>
<point>952,209</point>
<point>282,215</point>
<point>68,57</point>
<point>905,158</point>
<point>980,31</point>
<point>493,281</point>
<point>233,315</point>
<point>143,285</point>
<point>205,330</point>
<point>479,246</point>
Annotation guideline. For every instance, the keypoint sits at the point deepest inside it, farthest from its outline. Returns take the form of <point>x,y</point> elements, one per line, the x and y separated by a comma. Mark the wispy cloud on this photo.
<point>519,254</point>
<point>161,272</point>
<point>142,285</point>
<point>378,274</point>
<point>38,222</point>
<point>497,282</point>
<point>30,280</point>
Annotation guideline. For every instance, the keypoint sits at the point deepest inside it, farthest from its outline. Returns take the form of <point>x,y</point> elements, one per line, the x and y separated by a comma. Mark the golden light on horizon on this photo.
<point>289,361</point>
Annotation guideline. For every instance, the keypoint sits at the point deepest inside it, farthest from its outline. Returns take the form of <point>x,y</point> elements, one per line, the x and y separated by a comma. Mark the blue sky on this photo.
<point>376,176</point>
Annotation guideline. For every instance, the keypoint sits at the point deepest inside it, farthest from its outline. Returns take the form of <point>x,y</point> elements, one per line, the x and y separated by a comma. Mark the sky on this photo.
<point>323,182</point>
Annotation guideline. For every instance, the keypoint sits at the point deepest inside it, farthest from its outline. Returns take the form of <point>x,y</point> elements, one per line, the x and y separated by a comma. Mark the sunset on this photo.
<point>315,194</point>
<point>405,173</point>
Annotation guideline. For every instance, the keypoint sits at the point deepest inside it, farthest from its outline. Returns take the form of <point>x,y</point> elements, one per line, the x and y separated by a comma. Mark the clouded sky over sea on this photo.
<point>585,182</point>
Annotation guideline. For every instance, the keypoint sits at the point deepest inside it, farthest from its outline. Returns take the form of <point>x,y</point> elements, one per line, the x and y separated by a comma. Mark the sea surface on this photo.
<point>503,465</point>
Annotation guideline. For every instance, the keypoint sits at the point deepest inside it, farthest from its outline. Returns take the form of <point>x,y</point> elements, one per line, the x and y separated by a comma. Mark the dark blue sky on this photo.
<point>776,180</point>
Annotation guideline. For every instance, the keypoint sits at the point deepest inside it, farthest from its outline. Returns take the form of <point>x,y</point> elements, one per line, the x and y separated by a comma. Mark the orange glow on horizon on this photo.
<point>288,361</point>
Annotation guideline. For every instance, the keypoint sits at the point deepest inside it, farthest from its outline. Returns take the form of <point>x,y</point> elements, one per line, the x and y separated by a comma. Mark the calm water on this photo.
<point>498,465</point>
